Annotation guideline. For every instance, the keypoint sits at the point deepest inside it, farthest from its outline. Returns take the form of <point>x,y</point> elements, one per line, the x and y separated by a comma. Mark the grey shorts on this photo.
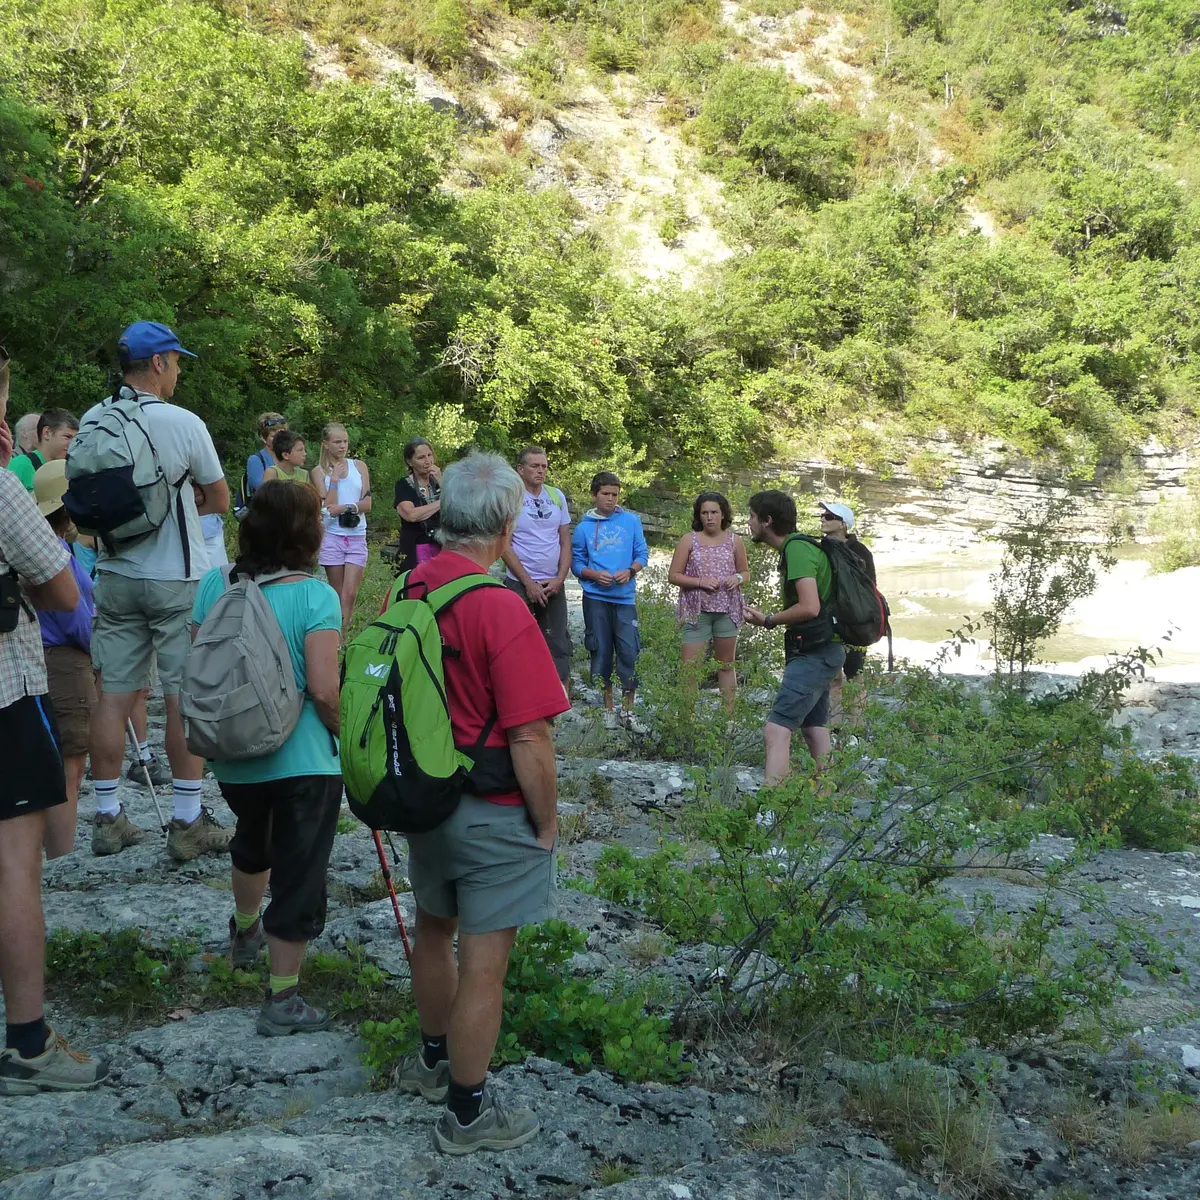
<point>137,620</point>
<point>803,699</point>
<point>709,625</point>
<point>484,867</point>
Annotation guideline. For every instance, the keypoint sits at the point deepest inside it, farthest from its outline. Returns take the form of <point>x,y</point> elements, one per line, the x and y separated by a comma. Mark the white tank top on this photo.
<point>348,491</point>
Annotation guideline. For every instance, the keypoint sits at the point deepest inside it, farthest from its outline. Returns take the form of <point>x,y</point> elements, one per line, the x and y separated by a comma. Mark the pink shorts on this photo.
<point>338,549</point>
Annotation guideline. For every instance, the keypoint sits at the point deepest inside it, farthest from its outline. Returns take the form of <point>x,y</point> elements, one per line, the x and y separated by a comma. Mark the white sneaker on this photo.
<point>634,724</point>
<point>611,720</point>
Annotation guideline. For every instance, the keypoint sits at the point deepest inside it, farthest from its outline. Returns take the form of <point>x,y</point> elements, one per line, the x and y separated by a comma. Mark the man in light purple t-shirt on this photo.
<point>539,557</point>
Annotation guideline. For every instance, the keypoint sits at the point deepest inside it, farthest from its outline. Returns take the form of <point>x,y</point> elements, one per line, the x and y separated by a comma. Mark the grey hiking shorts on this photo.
<point>803,699</point>
<point>484,866</point>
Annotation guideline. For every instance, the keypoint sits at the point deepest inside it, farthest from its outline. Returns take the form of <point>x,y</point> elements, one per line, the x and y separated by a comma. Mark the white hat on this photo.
<point>843,512</point>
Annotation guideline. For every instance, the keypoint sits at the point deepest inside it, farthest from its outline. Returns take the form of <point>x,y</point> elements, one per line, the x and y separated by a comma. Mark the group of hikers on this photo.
<point>114,574</point>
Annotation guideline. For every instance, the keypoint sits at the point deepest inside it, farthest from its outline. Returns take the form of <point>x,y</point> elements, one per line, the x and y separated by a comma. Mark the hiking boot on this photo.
<point>57,1069</point>
<point>611,721</point>
<point>159,771</point>
<point>411,1075</point>
<point>205,835</point>
<point>244,948</point>
<point>496,1128</point>
<point>288,1012</point>
<point>112,833</point>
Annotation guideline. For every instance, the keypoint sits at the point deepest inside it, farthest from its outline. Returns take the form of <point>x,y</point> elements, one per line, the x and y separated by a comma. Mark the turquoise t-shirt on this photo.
<point>302,607</point>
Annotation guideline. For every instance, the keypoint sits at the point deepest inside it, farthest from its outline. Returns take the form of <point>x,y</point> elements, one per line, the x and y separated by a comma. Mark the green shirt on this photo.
<point>290,474</point>
<point>805,561</point>
<point>23,468</point>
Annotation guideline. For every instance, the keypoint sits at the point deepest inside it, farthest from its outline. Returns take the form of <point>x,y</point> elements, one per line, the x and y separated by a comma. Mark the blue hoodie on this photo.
<point>612,544</point>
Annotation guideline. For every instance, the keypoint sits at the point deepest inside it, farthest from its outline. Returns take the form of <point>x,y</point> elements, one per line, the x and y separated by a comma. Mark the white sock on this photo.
<point>187,800</point>
<point>106,797</point>
<point>144,754</point>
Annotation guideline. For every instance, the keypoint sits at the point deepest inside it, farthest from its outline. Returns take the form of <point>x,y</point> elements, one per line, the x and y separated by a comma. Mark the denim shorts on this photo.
<point>803,699</point>
<point>709,625</point>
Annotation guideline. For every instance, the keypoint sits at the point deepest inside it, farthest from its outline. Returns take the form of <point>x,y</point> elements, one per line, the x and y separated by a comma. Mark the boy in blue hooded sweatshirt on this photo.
<point>608,549</point>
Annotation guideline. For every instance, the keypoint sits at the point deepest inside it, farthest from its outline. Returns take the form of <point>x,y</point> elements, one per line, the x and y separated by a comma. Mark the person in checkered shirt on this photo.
<point>34,1058</point>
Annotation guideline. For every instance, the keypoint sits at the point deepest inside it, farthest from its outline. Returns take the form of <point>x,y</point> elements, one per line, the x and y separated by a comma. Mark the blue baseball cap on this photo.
<point>144,339</point>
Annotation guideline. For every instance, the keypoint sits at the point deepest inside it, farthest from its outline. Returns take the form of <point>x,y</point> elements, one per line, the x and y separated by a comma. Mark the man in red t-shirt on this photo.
<point>489,868</point>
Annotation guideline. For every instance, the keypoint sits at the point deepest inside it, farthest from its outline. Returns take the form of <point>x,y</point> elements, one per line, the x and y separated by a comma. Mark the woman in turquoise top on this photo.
<point>287,802</point>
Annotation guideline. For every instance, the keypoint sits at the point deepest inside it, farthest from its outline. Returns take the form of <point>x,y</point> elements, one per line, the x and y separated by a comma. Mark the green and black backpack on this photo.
<point>401,767</point>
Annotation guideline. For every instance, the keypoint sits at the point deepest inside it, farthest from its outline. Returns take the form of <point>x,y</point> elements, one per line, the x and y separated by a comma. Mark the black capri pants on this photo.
<point>287,827</point>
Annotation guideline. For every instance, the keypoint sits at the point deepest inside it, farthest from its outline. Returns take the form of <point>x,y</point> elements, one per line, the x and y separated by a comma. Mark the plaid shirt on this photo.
<point>29,547</point>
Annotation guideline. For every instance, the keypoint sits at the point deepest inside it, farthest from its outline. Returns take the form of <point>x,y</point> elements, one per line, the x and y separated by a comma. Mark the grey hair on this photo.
<point>480,495</point>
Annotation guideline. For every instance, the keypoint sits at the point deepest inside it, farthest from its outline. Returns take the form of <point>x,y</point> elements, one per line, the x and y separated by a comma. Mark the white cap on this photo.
<point>843,512</point>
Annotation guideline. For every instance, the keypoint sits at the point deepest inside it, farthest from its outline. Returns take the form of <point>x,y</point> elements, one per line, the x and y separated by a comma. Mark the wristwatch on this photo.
<point>769,621</point>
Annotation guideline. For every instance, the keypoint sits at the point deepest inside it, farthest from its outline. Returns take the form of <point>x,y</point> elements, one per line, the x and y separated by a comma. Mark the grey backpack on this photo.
<point>116,487</point>
<point>239,697</point>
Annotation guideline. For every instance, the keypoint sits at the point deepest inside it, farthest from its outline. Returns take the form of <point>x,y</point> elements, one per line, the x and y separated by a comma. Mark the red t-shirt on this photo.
<point>503,665</point>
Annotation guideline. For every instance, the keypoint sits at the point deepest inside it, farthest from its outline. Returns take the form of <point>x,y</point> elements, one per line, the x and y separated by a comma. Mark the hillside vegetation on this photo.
<point>924,219</point>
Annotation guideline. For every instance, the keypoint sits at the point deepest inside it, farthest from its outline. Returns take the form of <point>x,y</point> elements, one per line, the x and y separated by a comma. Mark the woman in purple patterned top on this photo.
<point>710,569</point>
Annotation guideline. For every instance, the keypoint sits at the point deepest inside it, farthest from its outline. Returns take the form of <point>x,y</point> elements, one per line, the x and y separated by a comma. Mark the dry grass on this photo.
<point>781,1129</point>
<point>648,948</point>
<point>1145,1134</point>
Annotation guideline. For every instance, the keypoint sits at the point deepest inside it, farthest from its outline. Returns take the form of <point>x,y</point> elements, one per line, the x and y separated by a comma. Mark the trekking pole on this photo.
<point>137,757</point>
<point>391,887</point>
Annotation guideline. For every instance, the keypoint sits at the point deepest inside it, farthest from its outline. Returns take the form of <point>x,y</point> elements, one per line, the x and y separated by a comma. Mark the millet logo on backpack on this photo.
<point>377,670</point>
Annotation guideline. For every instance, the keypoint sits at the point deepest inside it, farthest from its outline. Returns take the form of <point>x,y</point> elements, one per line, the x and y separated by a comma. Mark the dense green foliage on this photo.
<point>322,246</point>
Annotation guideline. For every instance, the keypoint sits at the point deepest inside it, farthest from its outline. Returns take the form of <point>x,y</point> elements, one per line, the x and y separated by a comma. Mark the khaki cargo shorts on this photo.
<point>484,866</point>
<point>136,620</point>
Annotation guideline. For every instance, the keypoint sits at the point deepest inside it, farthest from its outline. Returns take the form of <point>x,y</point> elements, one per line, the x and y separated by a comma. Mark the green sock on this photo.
<point>244,921</point>
<point>281,983</point>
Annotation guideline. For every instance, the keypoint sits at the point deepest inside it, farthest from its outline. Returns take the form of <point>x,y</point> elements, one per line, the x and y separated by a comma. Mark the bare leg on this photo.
<point>627,699</point>
<point>286,957</point>
<point>60,820</point>
<point>349,592</point>
<point>478,1003</point>
<point>835,700</point>
<point>108,733</point>
<point>608,697</point>
<point>248,890</point>
<point>778,744</point>
<point>184,764</point>
<point>725,650</point>
<point>22,929</point>
<point>434,972</point>
<point>689,652</point>
<point>817,740</point>
<point>336,575</point>
<point>138,716</point>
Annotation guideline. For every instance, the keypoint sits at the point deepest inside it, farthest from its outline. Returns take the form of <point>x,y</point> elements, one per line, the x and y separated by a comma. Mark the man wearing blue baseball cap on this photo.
<point>144,594</point>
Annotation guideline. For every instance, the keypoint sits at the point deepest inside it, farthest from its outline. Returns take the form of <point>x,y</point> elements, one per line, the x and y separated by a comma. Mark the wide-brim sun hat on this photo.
<point>50,485</point>
<point>843,512</point>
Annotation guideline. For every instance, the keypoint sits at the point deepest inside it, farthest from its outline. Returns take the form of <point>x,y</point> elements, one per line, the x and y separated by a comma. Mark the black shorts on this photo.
<point>287,827</point>
<point>33,765</point>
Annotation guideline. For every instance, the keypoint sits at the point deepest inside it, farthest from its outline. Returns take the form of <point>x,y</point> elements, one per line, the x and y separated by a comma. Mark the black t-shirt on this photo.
<point>416,533</point>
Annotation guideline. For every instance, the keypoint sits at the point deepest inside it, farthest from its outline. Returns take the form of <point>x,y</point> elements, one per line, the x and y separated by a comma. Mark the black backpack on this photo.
<point>859,612</point>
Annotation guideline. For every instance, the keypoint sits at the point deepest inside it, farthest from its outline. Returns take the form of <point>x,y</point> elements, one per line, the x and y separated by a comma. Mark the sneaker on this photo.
<point>205,835</point>
<point>57,1069</point>
<point>160,772</point>
<point>111,834</point>
<point>496,1128</point>
<point>611,720</point>
<point>288,1012</point>
<point>411,1075</point>
<point>634,723</point>
<point>244,948</point>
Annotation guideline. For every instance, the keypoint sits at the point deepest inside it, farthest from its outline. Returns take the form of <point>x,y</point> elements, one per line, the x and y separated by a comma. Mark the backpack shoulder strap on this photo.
<point>440,599</point>
<point>559,498</point>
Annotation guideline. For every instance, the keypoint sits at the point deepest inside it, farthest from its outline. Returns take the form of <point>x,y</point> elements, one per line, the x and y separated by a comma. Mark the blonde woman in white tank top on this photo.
<point>344,485</point>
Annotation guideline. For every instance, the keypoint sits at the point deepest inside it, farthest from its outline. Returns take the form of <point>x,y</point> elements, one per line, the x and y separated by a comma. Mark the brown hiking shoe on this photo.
<point>57,1069</point>
<point>111,834</point>
<point>288,1012</point>
<point>497,1127</point>
<point>244,948</point>
<point>205,835</point>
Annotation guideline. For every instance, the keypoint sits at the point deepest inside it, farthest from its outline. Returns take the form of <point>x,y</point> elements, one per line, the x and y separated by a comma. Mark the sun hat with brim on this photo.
<point>843,512</point>
<point>50,485</point>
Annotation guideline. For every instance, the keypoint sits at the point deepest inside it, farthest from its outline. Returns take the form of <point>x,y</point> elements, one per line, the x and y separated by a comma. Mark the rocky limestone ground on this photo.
<point>200,1106</point>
